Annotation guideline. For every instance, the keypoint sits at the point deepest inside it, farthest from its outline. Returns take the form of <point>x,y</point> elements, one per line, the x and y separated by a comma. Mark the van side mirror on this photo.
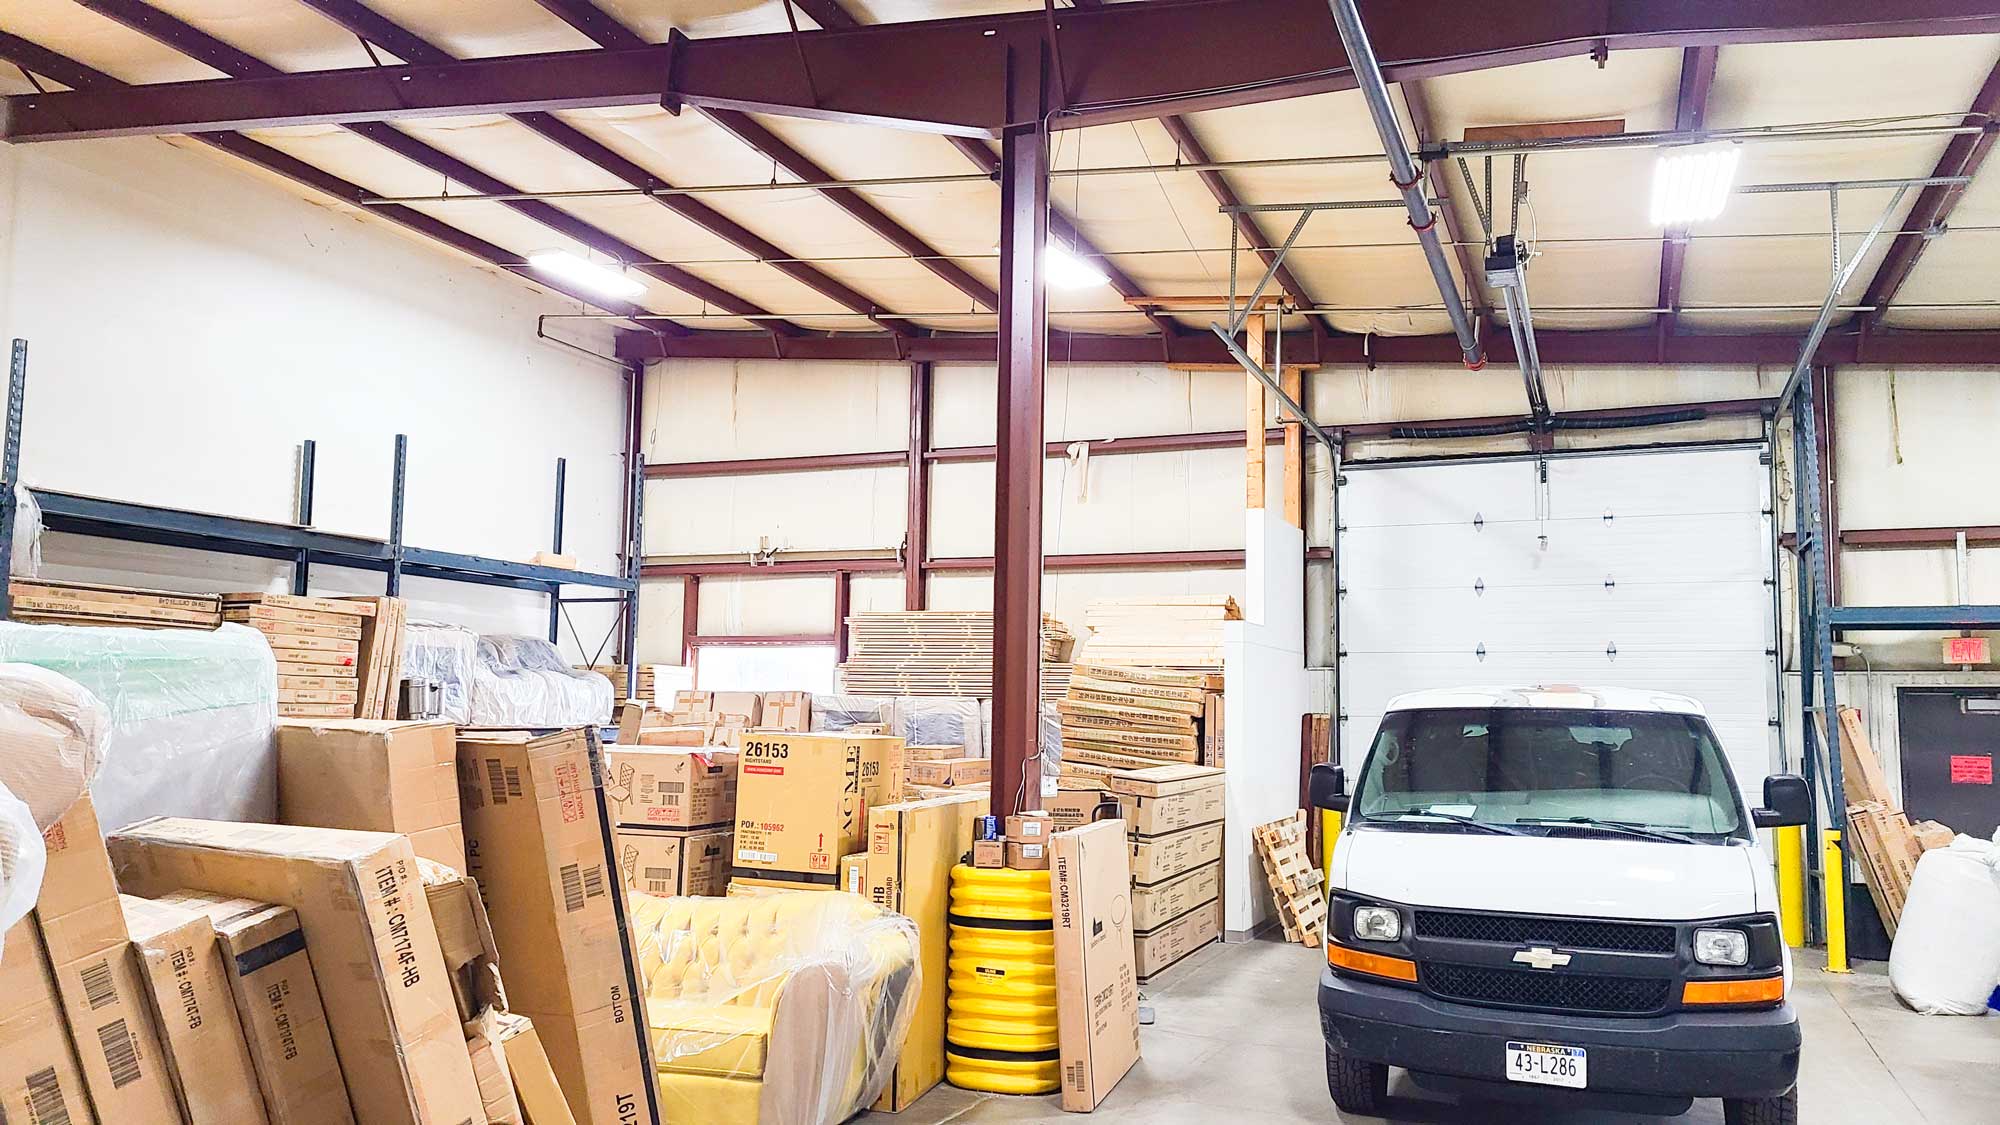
<point>1327,788</point>
<point>1787,802</point>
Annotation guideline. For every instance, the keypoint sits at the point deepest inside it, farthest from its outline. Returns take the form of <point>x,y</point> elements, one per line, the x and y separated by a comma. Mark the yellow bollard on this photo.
<point>1792,884</point>
<point>1833,881</point>
<point>1329,831</point>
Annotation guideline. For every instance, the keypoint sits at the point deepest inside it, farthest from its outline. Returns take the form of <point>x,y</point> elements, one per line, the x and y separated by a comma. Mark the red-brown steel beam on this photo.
<point>917,490</point>
<point>843,590</point>
<point>791,567</point>
<point>40,60</point>
<point>1115,560</point>
<point>1931,213</point>
<point>376,28</point>
<point>1123,62</point>
<point>1438,172</point>
<point>1690,113</point>
<point>214,52</point>
<point>1920,538</point>
<point>690,613</point>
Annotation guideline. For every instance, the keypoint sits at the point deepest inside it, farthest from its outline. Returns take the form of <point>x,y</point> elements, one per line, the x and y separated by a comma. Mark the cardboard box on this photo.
<point>930,792</point>
<point>1097,991</point>
<point>950,772</point>
<point>1163,781</point>
<point>802,801</point>
<point>1029,826</point>
<point>686,700</point>
<point>1211,730</point>
<point>854,873</point>
<point>376,776</point>
<point>1174,812</point>
<point>368,925</point>
<point>912,848</point>
<point>746,706</point>
<point>489,1066</point>
<point>989,854</point>
<point>747,885</point>
<point>207,1058</point>
<point>1158,858</point>
<point>1072,808</point>
<point>787,711</point>
<point>650,787</point>
<point>1159,949</point>
<point>922,753</point>
<point>465,938</point>
<point>39,1080</point>
<point>278,1007</point>
<point>534,1076</point>
<point>1156,905</point>
<point>1028,855</point>
<point>543,859</point>
<point>675,863</point>
<point>103,994</point>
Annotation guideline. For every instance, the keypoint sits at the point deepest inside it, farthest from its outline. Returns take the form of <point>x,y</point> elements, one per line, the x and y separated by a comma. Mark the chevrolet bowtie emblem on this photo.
<point>1541,957</point>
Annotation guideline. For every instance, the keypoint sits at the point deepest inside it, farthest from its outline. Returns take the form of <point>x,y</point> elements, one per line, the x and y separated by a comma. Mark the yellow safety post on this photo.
<point>1792,884</point>
<point>1833,881</point>
<point>1329,831</point>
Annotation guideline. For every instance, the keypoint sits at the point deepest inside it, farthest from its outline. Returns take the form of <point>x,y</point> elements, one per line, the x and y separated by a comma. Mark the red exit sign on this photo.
<point>1967,650</point>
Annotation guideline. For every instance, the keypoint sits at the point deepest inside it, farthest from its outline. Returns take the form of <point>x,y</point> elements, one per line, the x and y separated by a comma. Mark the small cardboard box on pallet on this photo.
<point>659,787</point>
<point>39,1080</point>
<point>97,976</point>
<point>374,775</point>
<point>802,801</point>
<point>368,925</point>
<point>675,862</point>
<point>1097,991</point>
<point>206,1054</point>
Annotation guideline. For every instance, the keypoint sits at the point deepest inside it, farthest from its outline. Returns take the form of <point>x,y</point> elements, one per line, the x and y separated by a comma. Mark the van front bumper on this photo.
<point>1723,1054</point>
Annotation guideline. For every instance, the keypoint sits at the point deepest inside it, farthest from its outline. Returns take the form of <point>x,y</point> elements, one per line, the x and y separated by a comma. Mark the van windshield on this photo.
<point>1550,771</point>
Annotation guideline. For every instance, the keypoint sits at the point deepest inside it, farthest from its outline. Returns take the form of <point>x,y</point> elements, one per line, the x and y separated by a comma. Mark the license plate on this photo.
<point>1546,1064</point>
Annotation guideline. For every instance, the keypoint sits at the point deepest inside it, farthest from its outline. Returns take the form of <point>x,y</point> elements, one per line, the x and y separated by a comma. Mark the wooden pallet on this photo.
<point>1295,881</point>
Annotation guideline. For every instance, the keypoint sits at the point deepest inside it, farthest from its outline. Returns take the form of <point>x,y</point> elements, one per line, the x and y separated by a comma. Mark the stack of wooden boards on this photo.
<point>1880,833</point>
<point>1170,632</point>
<point>931,652</point>
<point>1117,718</point>
<point>79,603</point>
<point>318,645</point>
<point>1294,879</point>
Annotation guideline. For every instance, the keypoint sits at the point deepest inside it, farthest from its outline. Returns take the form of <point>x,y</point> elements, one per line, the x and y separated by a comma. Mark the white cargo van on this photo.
<point>1557,894</point>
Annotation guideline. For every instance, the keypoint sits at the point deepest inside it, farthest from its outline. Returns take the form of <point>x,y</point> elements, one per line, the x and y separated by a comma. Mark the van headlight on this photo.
<point>1378,923</point>
<point>1722,947</point>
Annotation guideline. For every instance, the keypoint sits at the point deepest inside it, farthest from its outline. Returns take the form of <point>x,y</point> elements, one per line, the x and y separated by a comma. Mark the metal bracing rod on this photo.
<point>1331,205</point>
<point>1277,262</point>
<point>1852,185</point>
<point>1666,138</point>
<point>1284,399</point>
<point>1404,174</point>
<point>1826,310</point>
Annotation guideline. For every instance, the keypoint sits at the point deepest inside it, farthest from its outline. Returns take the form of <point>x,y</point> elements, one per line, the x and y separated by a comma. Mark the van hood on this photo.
<point>1588,876</point>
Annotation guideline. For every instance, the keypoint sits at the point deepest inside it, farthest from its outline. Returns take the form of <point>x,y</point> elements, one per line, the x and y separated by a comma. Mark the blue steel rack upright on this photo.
<point>304,546</point>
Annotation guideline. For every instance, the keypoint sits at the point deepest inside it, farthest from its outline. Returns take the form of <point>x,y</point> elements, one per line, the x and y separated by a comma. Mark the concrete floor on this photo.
<point>1237,1038</point>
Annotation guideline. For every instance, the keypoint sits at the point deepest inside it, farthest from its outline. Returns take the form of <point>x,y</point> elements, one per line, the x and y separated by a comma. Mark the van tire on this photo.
<point>1357,1087</point>
<point>1781,1110</point>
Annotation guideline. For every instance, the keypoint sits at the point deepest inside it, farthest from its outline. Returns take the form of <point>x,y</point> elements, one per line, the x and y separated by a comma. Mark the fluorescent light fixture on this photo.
<point>605,281</point>
<point>1691,183</point>
<point>1065,270</point>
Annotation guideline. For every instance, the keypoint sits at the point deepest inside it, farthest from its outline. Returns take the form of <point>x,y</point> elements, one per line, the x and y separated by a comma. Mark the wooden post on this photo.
<point>1253,420</point>
<point>1292,379</point>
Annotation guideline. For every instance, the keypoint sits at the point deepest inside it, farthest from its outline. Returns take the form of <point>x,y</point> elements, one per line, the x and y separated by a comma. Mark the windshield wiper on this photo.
<point>1454,818</point>
<point>1614,826</point>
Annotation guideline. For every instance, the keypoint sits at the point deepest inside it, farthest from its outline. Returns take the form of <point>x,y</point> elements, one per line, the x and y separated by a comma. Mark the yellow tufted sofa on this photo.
<point>786,1008</point>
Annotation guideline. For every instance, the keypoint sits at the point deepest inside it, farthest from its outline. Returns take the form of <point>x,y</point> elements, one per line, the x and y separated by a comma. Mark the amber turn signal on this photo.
<point>1374,964</point>
<point>1765,990</point>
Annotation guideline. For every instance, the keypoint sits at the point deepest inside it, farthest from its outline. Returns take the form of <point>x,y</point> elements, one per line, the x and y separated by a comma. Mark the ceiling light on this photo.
<point>1065,270</point>
<point>605,281</point>
<point>1691,183</point>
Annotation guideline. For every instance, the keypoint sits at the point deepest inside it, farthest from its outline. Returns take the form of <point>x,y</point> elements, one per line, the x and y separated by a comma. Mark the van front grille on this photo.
<point>1553,991</point>
<point>1562,933</point>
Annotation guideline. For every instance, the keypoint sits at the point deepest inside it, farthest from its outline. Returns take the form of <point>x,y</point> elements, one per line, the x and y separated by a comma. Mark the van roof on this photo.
<point>1549,695</point>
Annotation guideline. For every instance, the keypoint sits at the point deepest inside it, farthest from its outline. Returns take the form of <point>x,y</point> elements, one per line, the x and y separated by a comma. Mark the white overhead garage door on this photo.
<point>1643,570</point>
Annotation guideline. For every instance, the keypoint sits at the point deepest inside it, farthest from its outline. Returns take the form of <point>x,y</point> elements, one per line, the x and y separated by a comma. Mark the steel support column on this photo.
<point>843,590</point>
<point>634,525</point>
<point>1802,654</point>
<point>1816,627</point>
<point>302,564</point>
<point>690,618</point>
<point>1017,480</point>
<point>394,586</point>
<point>555,547</point>
<point>917,526</point>
<point>10,467</point>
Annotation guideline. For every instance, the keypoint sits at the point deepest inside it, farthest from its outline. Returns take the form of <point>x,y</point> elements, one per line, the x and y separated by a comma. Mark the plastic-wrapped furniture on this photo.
<point>1946,959</point>
<point>939,721</point>
<point>839,712</point>
<point>193,713</point>
<point>525,682</point>
<point>444,655</point>
<point>786,1008</point>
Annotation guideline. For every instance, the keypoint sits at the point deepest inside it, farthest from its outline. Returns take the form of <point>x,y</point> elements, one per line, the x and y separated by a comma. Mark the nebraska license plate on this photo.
<point>1546,1064</point>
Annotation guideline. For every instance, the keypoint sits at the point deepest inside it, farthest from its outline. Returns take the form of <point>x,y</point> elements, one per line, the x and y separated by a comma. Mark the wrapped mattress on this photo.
<point>525,682</point>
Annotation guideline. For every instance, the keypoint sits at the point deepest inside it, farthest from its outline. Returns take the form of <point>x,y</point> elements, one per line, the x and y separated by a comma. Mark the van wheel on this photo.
<point>1781,1110</point>
<point>1358,1087</point>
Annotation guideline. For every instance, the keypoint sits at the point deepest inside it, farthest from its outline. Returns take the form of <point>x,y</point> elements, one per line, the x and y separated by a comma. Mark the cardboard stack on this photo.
<point>931,652</point>
<point>374,775</point>
<point>79,603</point>
<point>802,804</point>
<point>673,813</point>
<point>1173,632</point>
<point>207,1057</point>
<point>1123,718</point>
<point>379,672</point>
<point>1174,815</point>
<point>1881,834</point>
<point>943,767</point>
<point>318,645</point>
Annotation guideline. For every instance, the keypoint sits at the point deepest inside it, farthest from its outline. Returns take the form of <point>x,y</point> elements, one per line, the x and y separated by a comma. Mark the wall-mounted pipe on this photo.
<point>1404,174</point>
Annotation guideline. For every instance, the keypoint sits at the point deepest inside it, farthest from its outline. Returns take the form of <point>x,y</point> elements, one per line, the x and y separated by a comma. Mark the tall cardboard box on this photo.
<point>278,1007</point>
<point>97,976</point>
<point>668,787</point>
<point>802,801</point>
<point>375,776</point>
<point>542,854</point>
<point>374,948</point>
<point>1097,991</point>
<point>674,863</point>
<point>912,848</point>
<point>207,1056</point>
<point>39,1081</point>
